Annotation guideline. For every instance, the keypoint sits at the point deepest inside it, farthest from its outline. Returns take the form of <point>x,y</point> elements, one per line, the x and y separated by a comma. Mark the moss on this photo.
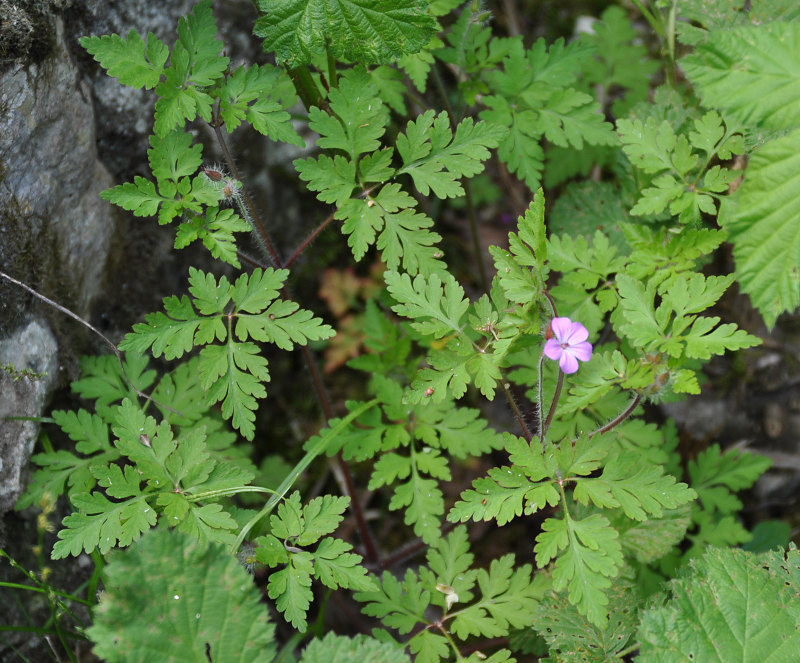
<point>26,31</point>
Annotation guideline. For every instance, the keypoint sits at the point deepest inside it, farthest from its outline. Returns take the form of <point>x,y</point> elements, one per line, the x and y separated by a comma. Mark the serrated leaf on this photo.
<point>730,606</point>
<point>340,649</point>
<point>361,31</point>
<point>132,61</point>
<point>751,73</point>
<point>436,306</point>
<point>172,617</point>
<point>762,221</point>
<point>435,158</point>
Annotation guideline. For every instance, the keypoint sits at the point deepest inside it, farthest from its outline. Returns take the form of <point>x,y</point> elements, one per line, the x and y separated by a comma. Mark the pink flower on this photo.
<point>568,344</point>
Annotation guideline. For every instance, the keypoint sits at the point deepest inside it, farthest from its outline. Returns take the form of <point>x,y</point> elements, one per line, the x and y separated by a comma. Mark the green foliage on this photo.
<point>750,73</point>
<point>332,562</point>
<point>412,444</point>
<point>683,181</point>
<point>531,96</point>
<point>630,255</point>
<point>165,476</point>
<point>339,649</point>
<point>729,605</point>
<point>364,31</point>
<point>154,608</point>
<point>234,315</point>
<point>472,602</point>
<point>587,551</point>
<point>762,221</point>
<point>716,476</point>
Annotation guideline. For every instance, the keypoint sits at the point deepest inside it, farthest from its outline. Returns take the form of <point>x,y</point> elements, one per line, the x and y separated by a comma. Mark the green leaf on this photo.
<point>271,90</point>
<point>139,196</point>
<point>591,556</point>
<point>730,606</point>
<point>716,476</point>
<point>361,31</point>
<point>750,73</point>
<point>290,588</point>
<point>102,524</point>
<point>132,61</point>
<point>216,231</point>
<point>359,118</point>
<point>640,490</point>
<point>435,159</point>
<point>195,64</point>
<point>340,649</point>
<point>762,221</point>
<point>171,616</point>
<point>436,307</point>
<point>233,373</point>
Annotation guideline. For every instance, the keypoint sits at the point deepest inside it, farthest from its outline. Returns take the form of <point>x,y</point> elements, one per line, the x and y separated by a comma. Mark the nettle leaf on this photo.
<point>340,649</point>
<point>362,31</point>
<point>730,605</point>
<point>750,73</point>
<point>762,221</point>
<point>172,616</point>
<point>132,61</point>
<point>435,159</point>
<point>235,372</point>
<point>195,65</point>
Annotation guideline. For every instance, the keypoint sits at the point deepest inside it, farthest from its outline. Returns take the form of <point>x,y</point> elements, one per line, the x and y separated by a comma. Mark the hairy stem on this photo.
<point>513,403</point>
<point>307,241</point>
<point>622,416</point>
<point>257,223</point>
<point>552,409</point>
<point>476,238</point>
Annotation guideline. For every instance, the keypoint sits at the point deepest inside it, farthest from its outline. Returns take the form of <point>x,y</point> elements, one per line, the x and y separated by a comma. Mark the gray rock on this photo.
<point>33,348</point>
<point>56,233</point>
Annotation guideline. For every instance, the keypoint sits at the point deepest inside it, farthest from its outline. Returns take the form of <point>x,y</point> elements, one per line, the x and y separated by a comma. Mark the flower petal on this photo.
<point>568,363</point>
<point>581,351</point>
<point>553,349</point>
<point>577,334</point>
<point>561,328</point>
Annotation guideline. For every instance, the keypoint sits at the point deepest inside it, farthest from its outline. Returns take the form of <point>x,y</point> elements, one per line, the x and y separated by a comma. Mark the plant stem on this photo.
<point>370,548</point>
<point>45,590</point>
<point>307,241</point>
<point>622,416</point>
<point>476,238</point>
<point>298,469</point>
<point>258,224</point>
<point>513,403</point>
<point>304,86</point>
<point>552,409</point>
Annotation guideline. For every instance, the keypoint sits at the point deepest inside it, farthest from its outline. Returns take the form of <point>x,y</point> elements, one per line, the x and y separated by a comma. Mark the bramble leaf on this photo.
<point>172,616</point>
<point>361,31</point>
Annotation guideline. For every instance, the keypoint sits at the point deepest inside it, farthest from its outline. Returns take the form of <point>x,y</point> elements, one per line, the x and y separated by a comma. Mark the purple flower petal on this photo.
<point>578,334</point>
<point>568,363</point>
<point>562,327</point>
<point>582,351</point>
<point>553,349</point>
